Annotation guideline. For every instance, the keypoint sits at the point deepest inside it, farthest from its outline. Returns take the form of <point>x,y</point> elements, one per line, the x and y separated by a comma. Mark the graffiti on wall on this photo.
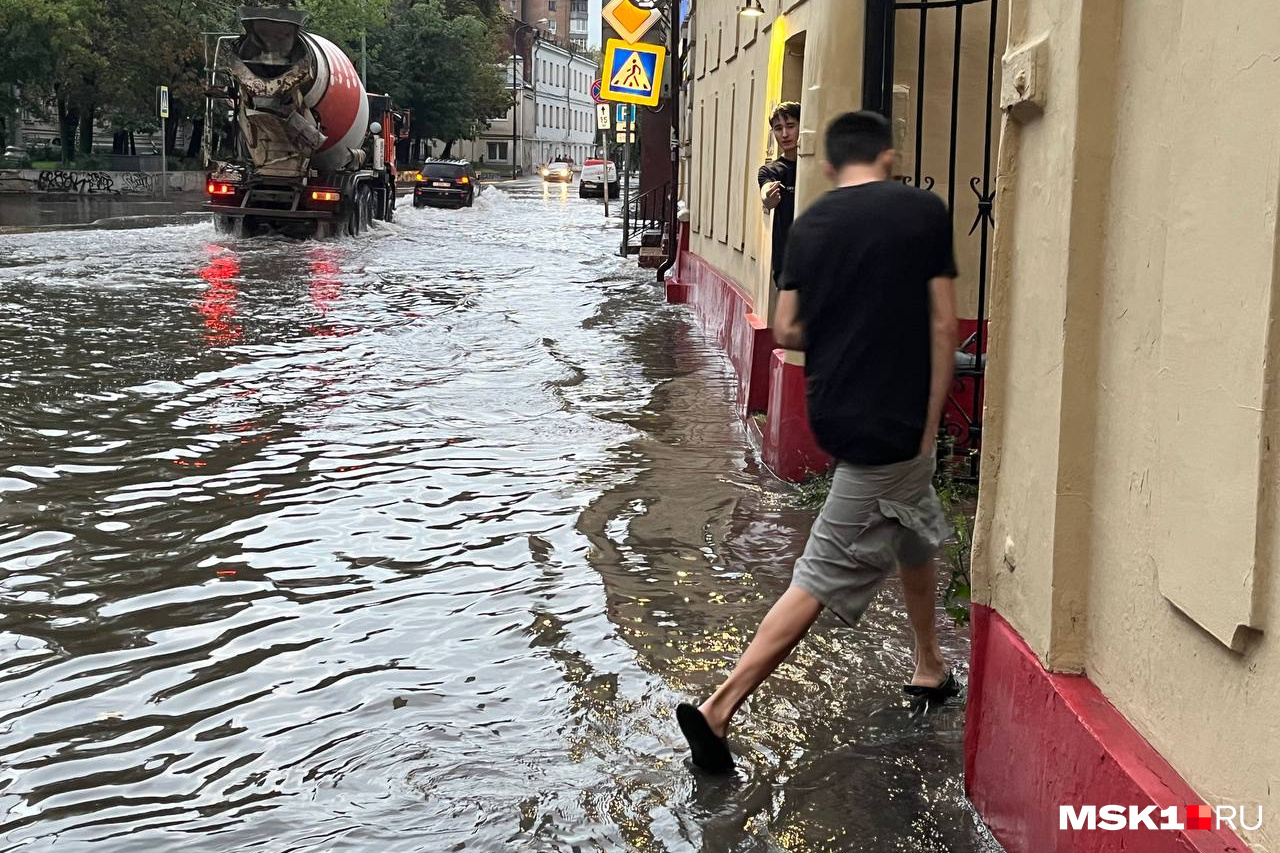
<point>75,182</point>
<point>140,182</point>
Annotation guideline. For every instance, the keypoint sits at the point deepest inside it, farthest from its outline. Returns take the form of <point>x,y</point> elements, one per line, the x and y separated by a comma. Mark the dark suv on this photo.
<point>445,183</point>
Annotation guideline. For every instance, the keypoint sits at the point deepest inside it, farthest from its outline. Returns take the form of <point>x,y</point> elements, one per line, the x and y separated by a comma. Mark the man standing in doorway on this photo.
<point>868,294</point>
<point>777,179</point>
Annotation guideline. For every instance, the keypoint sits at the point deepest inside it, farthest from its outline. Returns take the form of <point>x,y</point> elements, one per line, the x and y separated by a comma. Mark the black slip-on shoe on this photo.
<point>710,751</point>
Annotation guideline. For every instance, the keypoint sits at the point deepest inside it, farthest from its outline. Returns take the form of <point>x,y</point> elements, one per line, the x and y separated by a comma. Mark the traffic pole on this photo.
<point>626,187</point>
<point>163,108</point>
<point>604,154</point>
<point>164,163</point>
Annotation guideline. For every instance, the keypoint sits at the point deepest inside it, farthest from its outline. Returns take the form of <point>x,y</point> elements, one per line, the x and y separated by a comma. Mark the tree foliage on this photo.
<point>81,61</point>
<point>342,21</point>
<point>443,67</point>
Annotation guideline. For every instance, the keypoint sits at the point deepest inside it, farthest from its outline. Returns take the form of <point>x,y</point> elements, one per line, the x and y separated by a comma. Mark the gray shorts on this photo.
<point>876,518</point>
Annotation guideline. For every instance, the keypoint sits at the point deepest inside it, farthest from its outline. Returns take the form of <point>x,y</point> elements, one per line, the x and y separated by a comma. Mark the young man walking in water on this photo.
<point>777,179</point>
<point>868,294</point>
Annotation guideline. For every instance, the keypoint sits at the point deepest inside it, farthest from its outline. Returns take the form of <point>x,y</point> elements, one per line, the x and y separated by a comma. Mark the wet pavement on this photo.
<point>410,542</point>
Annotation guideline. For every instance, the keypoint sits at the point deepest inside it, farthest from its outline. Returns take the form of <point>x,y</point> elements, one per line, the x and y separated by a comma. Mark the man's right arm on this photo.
<point>942,344</point>
<point>770,189</point>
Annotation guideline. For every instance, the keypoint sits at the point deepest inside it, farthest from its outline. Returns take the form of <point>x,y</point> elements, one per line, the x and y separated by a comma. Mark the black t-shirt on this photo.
<point>861,259</point>
<point>785,171</point>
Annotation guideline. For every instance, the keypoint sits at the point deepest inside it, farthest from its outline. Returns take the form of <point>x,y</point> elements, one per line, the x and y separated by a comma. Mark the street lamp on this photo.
<point>516,81</point>
<point>751,9</point>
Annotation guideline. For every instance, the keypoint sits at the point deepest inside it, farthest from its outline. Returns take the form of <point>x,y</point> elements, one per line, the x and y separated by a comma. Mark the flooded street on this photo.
<point>59,212</point>
<point>411,542</point>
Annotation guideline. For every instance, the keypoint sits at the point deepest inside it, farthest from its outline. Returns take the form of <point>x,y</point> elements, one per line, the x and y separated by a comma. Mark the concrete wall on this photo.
<point>1128,523</point>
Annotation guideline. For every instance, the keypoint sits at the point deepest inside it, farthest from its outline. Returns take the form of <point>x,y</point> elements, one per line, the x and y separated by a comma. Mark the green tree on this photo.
<point>104,58</point>
<point>444,67</point>
<point>342,21</point>
<point>26,55</point>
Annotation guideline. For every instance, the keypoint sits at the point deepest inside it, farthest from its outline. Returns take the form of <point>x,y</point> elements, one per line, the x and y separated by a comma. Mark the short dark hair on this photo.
<point>859,137</point>
<point>786,108</point>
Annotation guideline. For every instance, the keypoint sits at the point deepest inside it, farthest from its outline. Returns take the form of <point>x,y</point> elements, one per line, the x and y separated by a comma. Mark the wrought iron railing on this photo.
<point>646,213</point>
<point>972,68</point>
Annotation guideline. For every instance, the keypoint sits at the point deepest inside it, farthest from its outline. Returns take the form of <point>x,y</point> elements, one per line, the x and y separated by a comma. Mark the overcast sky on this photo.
<point>593,23</point>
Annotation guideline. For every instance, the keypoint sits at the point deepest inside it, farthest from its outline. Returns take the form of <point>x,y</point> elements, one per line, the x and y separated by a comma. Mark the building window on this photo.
<point>551,25</point>
<point>497,151</point>
<point>551,5</point>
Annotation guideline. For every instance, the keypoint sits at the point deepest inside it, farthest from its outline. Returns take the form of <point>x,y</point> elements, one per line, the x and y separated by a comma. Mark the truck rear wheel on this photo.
<point>233,226</point>
<point>354,221</point>
<point>364,203</point>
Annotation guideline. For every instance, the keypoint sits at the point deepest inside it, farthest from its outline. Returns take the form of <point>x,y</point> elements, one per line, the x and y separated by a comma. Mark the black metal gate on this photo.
<point>891,26</point>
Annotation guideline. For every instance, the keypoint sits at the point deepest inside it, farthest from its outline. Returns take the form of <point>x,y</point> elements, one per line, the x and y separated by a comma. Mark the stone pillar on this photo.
<point>1031,543</point>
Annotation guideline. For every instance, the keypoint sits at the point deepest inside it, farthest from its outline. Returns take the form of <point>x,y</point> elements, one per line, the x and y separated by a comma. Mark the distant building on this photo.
<point>578,23</point>
<point>41,136</point>
<point>554,115</point>
<point>552,17</point>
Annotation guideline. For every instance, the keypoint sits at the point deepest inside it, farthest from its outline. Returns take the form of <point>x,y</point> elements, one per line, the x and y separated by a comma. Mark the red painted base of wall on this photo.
<point>765,382</point>
<point>1035,740</point>
<point>790,450</point>
<point>677,292</point>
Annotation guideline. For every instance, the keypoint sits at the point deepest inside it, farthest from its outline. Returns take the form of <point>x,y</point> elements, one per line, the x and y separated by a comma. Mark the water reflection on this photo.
<point>324,285</point>
<point>218,302</point>
<point>557,192</point>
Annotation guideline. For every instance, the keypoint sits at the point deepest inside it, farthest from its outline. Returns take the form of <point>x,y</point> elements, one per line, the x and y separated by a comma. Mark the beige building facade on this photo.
<point>1128,520</point>
<point>1126,178</point>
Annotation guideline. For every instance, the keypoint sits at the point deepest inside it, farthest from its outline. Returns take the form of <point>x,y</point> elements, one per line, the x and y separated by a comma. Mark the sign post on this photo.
<point>631,74</point>
<point>602,131</point>
<point>625,136</point>
<point>164,160</point>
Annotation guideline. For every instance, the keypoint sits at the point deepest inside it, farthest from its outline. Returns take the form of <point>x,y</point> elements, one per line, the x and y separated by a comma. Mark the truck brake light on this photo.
<point>464,180</point>
<point>219,188</point>
<point>326,195</point>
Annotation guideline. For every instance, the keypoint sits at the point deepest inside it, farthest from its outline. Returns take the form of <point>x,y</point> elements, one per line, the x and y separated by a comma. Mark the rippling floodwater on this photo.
<point>409,543</point>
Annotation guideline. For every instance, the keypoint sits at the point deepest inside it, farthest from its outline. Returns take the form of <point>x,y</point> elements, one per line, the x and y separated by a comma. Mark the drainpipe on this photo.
<point>673,50</point>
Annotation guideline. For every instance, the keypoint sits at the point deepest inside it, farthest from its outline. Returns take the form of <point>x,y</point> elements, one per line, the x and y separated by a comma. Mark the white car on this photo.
<point>593,179</point>
<point>558,171</point>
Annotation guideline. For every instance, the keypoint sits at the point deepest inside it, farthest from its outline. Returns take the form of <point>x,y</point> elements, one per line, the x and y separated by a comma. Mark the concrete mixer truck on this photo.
<point>293,143</point>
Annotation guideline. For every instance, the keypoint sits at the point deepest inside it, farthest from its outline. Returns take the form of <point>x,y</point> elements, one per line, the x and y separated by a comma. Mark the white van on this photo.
<point>593,179</point>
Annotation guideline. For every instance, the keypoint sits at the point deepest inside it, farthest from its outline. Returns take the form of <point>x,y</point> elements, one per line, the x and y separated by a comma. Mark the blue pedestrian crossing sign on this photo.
<point>632,72</point>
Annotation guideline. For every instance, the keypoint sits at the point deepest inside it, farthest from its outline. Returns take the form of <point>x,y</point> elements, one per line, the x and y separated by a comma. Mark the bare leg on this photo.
<point>783,627</point>
<point>920,589</point>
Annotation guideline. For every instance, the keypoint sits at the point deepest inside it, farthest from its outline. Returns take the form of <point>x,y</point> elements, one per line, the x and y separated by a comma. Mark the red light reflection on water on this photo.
<point>218,302</point>
<point>325,285</point>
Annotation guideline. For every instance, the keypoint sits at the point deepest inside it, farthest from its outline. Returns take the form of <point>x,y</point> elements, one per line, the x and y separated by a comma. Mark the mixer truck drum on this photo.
<point>270,44</point>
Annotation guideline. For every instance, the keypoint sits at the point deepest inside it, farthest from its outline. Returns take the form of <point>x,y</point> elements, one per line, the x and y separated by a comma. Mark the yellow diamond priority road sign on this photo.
<point>632,73</point>
<point>628,20</point>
